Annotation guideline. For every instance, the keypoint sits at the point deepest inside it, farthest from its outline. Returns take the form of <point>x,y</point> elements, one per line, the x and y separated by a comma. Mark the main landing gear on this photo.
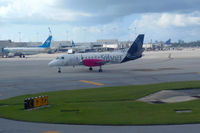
<point>59,70</point>
<point>90,69</point>
<point>22,56</point>
<point>100,69</point>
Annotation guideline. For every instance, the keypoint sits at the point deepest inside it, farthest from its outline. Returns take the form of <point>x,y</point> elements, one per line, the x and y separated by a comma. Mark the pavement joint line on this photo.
<point>90,82</point>
<point>51,132</point>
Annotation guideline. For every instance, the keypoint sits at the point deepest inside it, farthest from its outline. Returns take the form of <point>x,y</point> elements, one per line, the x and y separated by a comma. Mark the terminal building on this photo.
<point>9,43</point>
<point>65,46</point>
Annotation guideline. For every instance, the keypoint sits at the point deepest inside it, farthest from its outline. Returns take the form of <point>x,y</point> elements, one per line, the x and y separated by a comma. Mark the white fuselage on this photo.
<point>27,50</point>
<point>98,59</point>
<point>77,59</point>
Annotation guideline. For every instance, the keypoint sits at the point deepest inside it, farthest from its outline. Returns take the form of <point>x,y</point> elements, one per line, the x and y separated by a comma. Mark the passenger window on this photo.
<point>62,58</point>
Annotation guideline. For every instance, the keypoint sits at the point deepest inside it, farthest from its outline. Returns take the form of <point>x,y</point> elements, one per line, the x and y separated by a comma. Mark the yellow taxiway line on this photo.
<point>90,82</point>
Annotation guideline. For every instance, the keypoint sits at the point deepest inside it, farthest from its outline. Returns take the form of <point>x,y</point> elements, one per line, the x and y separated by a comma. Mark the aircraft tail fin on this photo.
<point>73,44</point>
<point>47,43</point>
<point>2,52</point>
<point>168,42</point>
<point>136,49</point>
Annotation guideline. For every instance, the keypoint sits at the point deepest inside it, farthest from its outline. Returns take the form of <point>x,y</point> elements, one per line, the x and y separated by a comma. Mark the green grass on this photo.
<point>108,105</point>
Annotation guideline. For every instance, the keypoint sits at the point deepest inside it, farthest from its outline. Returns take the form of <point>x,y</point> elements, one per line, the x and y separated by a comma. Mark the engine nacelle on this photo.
<point>93,62</point>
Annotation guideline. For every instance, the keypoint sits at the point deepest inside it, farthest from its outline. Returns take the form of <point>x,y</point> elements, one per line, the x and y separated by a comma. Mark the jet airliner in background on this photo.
<point>99,59</point>
<point>22,51</point>
<point>78,48</point>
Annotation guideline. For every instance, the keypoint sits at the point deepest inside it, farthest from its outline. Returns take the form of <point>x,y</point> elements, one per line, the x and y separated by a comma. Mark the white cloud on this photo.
<point>89,11</point>
<point>168,25</point>
<point>92,33</point>
<point>96,19</point>
<point>37,9</point>
<point>180,20</point>
<point>165,20</point>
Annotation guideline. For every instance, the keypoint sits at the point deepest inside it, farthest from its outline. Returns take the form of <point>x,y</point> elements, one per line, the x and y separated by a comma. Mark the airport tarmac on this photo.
<point>32,75</point>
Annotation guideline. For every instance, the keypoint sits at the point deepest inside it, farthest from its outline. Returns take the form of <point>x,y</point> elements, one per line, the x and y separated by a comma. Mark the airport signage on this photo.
<point>35,102</point>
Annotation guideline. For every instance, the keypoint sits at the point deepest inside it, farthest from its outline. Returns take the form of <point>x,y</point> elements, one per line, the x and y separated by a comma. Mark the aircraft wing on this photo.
<point>93,62</point>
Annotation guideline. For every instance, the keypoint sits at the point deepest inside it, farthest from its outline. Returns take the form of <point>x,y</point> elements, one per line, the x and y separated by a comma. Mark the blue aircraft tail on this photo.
<point>47,43</point>
<point>168,42</point>
<point>73,44</point>
<point>2,52</point>
<point>136,50</point>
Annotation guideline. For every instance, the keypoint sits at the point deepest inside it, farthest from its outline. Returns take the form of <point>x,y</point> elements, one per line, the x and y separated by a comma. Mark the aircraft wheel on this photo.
<point>100,70</point>
<point>90,69</point>
<point>59,70</point>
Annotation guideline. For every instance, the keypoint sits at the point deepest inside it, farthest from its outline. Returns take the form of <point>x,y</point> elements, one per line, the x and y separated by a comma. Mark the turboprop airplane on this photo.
<point>22,51</point>
<point>99,59</point>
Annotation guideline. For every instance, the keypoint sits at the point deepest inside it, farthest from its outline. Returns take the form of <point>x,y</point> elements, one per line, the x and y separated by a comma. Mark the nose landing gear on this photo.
<point>59,70</point>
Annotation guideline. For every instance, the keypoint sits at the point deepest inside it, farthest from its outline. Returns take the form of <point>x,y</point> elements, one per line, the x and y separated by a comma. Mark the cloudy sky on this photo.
<point>89,20</point>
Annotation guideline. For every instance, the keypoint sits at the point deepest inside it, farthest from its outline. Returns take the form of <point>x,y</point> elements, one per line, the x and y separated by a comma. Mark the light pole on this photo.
<point>19,36</point>
<point>37,35</point>
<point>67,36</point>
<point>84,34</point>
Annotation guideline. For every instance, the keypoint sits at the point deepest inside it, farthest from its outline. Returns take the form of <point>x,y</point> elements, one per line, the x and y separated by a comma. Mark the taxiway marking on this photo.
<point>90,82</point>
<point>198,72</point>
<point>0,94</point>
<point>51,132</point>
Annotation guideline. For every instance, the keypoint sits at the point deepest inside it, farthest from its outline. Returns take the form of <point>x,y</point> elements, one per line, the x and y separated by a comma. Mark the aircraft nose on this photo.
<point>52,63</point>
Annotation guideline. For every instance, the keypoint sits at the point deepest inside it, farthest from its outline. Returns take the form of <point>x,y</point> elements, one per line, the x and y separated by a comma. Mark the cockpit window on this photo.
<point>60,58</point>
